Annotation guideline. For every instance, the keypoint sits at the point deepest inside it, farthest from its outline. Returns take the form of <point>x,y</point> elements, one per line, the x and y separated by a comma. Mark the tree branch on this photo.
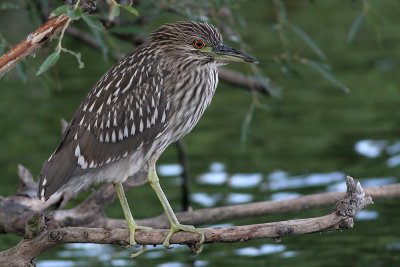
<point>41,239</point>
<point>32,42</point>
<point>15,210</point>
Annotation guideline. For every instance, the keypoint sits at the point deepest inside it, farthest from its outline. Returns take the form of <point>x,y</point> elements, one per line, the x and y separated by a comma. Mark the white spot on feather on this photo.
<point>141,126</point>
<point>163,117</point>
<point>113,137</point>
<point>92,106</point>
<point>99,92</point>
<point>109,100</point>
<point>128,86</point>
<point>100,108</point>
<point>120,135</point>
<point>83,118</point>
<point>82,162</point>
<point>77,151</point>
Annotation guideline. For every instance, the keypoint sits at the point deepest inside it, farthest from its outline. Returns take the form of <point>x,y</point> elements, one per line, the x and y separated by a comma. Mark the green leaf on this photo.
<point>49,61</point>
<point>59,10</point>
<point>115,11</point>
<point>130,9</point>
<point>74,14</point>
<point>93,22</point>
<point>321,69</point>
<point>309,42</point>
<point>355,27</point>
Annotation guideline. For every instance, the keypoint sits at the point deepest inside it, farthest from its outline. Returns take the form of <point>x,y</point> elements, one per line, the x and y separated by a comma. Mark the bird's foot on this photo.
<point>139,252</point>
<point>132,230</point>
<point>132,241</point>
<point>176,227</point>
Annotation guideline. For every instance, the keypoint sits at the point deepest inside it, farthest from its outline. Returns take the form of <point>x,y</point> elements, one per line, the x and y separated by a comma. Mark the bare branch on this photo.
<point>32,42</point>
<point>39,239</point>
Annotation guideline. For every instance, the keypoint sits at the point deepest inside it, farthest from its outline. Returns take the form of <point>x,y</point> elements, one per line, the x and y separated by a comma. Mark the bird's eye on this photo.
<point>199,44</point>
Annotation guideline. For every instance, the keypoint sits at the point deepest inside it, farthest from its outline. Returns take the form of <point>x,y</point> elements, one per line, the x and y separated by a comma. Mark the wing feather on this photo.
<point>122,113</point>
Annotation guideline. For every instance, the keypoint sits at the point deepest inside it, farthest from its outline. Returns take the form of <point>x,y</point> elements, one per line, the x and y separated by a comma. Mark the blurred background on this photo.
<point>330,111</point>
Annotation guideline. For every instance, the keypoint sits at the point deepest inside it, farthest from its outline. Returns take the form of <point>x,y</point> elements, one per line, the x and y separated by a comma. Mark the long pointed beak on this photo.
<point>225,52</point>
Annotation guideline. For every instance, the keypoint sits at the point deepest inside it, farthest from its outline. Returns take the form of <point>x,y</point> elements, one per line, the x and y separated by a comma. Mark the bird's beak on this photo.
<point>224,52</point>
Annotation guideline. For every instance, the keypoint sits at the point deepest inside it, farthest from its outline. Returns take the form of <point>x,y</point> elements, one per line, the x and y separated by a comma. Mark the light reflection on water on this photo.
<point>169,169</point>
<point>172,264</point>
<point>284,195</point>
<point>56,263</point>
<point>263,250</point>
<point>366,215</point>
<point>79,250</point>
<point>238,198</point>
<point>205,199</point>
<point>283,181</point>
<point>375,148</point>
<point>245,180</point>
<point>370,148</point>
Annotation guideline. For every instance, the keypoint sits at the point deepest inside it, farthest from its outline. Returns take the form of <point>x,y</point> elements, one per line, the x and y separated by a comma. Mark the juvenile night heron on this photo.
<point>149,99</point>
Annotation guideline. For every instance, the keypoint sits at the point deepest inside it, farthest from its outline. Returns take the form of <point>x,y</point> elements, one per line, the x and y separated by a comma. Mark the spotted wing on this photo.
<point>125,111</point>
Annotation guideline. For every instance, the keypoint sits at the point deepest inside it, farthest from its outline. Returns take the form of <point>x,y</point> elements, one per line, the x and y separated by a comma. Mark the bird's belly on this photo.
<point>115,172</point>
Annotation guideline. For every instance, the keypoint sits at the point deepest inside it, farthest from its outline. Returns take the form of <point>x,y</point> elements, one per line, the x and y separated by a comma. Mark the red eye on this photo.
<point>199,44</point>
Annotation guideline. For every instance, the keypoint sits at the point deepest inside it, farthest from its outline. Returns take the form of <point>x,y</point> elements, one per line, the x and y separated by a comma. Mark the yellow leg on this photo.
<point>175,225</point>
<point>132,226</point>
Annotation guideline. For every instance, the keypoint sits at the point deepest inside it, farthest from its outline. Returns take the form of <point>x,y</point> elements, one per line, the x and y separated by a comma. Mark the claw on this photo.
<point>137,253</point>
<point>185,228</point>
<point>132,230</point>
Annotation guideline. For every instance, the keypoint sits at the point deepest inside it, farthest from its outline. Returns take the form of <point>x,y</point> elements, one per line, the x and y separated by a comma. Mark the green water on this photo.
<point>312,128</point>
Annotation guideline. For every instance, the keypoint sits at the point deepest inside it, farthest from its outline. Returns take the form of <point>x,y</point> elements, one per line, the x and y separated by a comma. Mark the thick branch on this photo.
<point>27,250</point>
<point>24,253</point>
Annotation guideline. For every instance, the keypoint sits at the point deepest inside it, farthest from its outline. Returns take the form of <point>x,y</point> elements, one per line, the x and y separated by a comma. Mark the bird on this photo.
<point>149,99</point>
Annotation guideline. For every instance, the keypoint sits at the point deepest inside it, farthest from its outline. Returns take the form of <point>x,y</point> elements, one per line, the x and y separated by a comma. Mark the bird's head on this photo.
<point>196,42</point>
